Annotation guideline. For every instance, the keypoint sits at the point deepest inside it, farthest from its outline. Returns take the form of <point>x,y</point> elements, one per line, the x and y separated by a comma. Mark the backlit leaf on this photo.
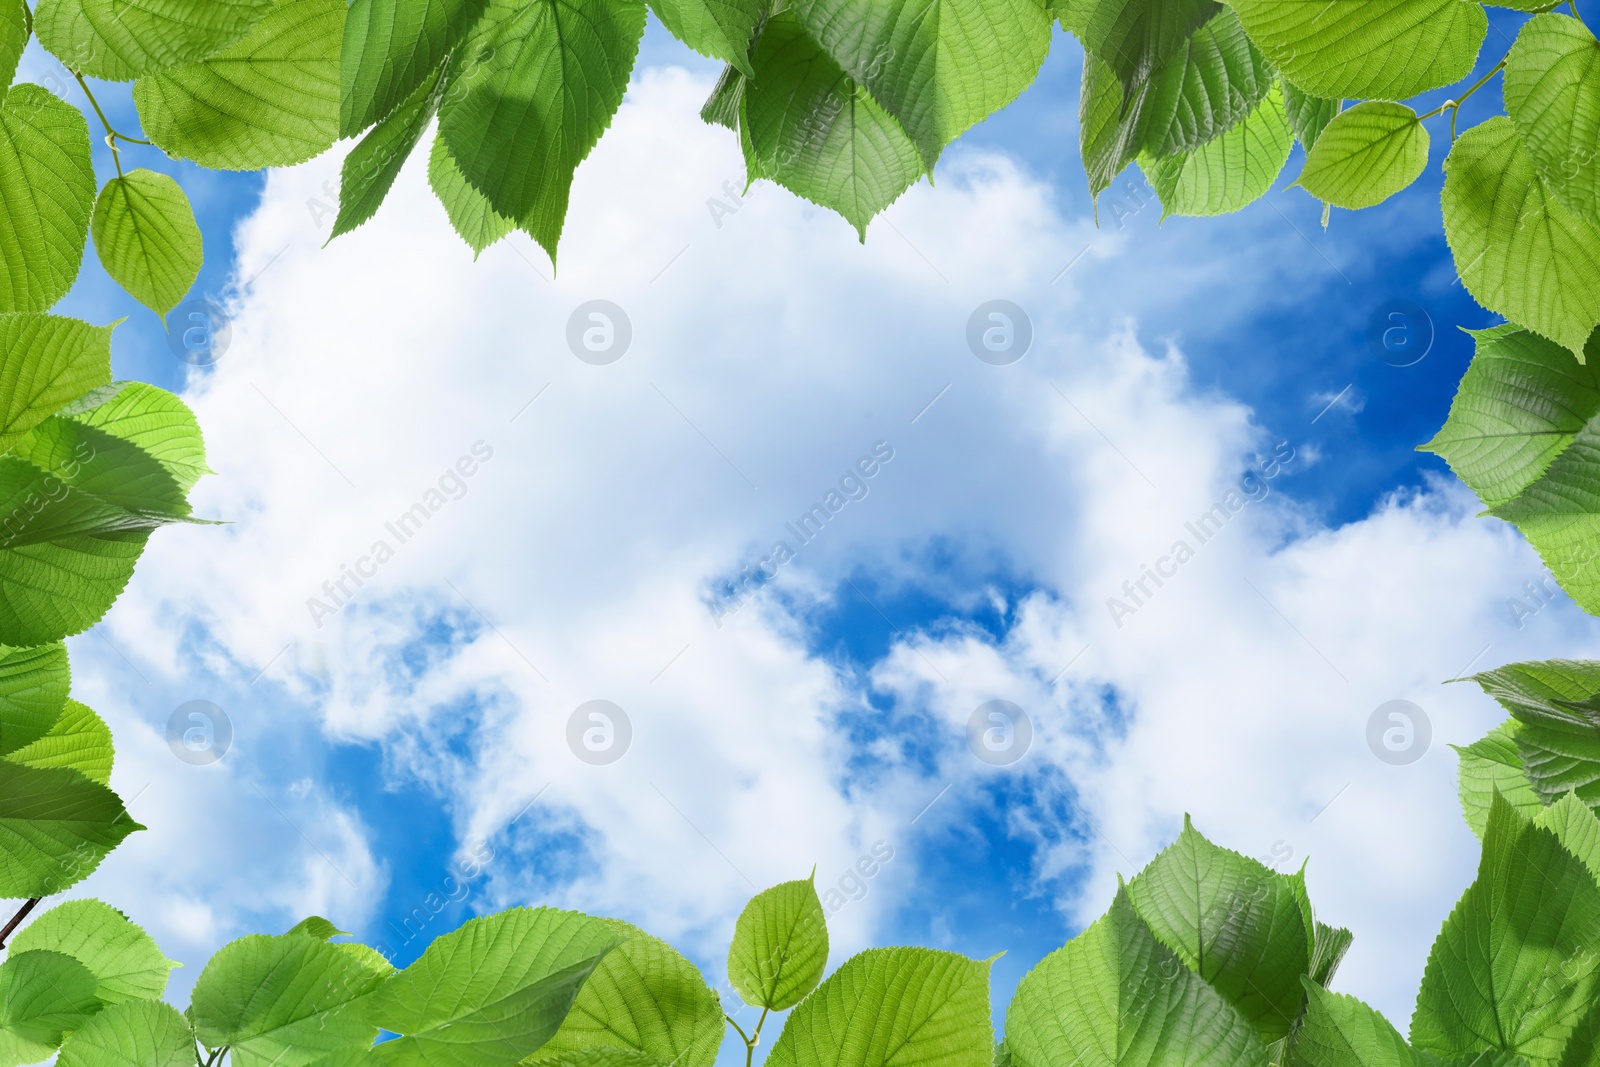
<point>1552,92</point>
<point>55,828</point>
<point>47,186</point>
<point>1366,155</point>
<point>79,740</point>
<point>124,959</point>
<point>147,239</point>
<point>1228,173</point>
<point>118,40</point>
<point>780,946</point>
<point>390,49</point>
<point>140,1033</point>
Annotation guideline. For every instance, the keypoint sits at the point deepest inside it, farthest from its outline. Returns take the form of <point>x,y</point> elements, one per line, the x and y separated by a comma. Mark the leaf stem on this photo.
<point>736,1026</point>
<point>22,913</point>
<point>112,136</point>
<point>1454,105</point>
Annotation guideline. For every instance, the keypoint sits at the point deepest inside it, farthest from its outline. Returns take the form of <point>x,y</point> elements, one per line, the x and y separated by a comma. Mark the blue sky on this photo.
<point>371,754</point>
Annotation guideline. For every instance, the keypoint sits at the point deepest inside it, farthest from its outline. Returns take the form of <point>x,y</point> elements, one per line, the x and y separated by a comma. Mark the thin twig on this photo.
<point>22,913</point>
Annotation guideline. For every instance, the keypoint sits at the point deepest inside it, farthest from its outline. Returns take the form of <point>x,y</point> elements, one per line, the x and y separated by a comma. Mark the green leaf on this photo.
<point>124,959</point>
<point>1366,155</point>
<point>15,28</point>
<point>554,76</point>
<point>1229,172</point>
<point>1520,404</point>
<point>1108,133</point>
<point>644,996</point>
<point>372,166</point>
<point>318,927</point>
<point>1135,37</point>
<point>147,239</point>
<point>780,946</point>
<point>1514,966</point>
<point>1234,922</point>
<point>1329,944</point>
<point>1556,704</point>
<point>471,214</point>
<point>1552,92</point>
<point>391,49</point>
<point>1491,765</point>
<point>819,134</point>
<point>1557,514</point>
<point>492,992</point>
<point>1521,252</point>
<point>723,106</point>
<point>140,1033</point>
<point>118,40</point>
<point>80,740</point>
<point>43,995</point>
<point>55,828</point>
<point>1576,827</point>
<point>47,186</point>
<point>937,66</point>
<point>270,100</point>
<point>1308,115</point>
<point>34,683</point>
<point>721,29</point>
<point>112,470</point>
<point>1361,49</point>
<point>153,419</point>
<point>1341,1031</point>
<point>283,1000</point>
<point>46,361</point>
<point>1094,1000</point>
<point>893,1006</point>
<point>1210,85</point>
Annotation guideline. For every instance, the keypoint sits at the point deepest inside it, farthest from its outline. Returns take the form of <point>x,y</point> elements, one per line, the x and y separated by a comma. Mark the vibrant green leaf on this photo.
<point>471,214</point>
<point>1514,966</point>
<point>372,166</point>
<point>1214,80</point>
<point>644,996</point>
<point>55,828</point>
<point>1308,115</point>
<point>34,683</point>
<point>46,361</point>
<point>780,946</point>
<point>47,186</point>
<point>1367,49</point>
<point>153,419</point>
<point>114,471</point>
<point>1232,921</point>
<point>1229,172</point>
<point>118,40</point>
<point>1521,403</point>
<point>1329,944</point>
<point>1576,827</point>
<point>818,134</point>
<point>43,995</point>
<point>318,927</point>
<point>1491,765</point>
<point>937,66</point>
<point>270,100</point>
<point>1521,252</point>
<point>492,992</point>
<point>889,1007</point>
<point>1114,996</point>
<point>723,106</point>
<point>16,24</point>
<point>80,740</point>
<point>1341,1031</point>
<point>1135,37</point>
<point>283,1000</point>
<point>391,49</point>
<point>147,239</point>
<point>140,1033</point>
<point>1108,132</point>
<point>1552,92</point>
<point>124,959</point>
<point>554,76</point>
<point>721,29</point>
<point>1366,155</point>
<point>1556,704</point>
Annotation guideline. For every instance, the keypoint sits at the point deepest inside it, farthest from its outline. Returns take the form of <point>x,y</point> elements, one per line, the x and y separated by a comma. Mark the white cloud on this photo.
<point>769,353</point>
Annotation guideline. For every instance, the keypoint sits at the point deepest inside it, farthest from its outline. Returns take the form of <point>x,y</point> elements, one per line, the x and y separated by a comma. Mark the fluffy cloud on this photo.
<point>582,523</point>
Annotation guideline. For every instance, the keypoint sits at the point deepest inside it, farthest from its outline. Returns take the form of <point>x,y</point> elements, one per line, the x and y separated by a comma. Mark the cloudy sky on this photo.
<point>411,749</point>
